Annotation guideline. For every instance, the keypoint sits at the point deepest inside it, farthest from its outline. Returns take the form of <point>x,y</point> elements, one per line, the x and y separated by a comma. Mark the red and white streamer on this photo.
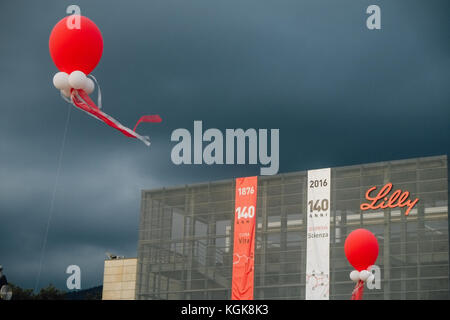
<point>358,291</point>
<point>81,100</point>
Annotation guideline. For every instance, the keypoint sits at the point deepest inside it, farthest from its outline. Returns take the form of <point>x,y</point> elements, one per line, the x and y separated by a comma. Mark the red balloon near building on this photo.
<point>361,249</point>
<point>76,48</point>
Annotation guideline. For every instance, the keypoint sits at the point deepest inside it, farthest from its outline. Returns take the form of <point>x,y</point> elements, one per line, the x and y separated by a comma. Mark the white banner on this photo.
<point>318,235</point>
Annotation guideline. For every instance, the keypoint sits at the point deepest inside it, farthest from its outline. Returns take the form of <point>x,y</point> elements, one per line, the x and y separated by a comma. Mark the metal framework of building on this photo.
<point>186,235</point>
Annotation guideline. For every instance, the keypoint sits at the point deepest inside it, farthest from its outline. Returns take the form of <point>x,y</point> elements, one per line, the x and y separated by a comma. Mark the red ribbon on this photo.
<point>358,291</point>
<point>153,118</point>
<point>81,100</point>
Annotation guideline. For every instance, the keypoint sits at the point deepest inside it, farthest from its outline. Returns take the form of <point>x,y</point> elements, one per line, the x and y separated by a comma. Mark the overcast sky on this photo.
<point>339,93</point>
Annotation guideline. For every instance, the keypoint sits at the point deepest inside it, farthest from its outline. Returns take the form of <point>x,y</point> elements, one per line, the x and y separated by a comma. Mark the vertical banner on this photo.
<point>244,239</point>
<point>318,235</point>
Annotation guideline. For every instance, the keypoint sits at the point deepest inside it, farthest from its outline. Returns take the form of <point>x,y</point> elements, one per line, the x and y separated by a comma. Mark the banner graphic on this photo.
<point>242,282</point>
<point>318,235</point>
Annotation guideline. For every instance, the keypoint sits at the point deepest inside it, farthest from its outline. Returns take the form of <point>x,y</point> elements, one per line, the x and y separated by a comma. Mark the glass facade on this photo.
<point>186,235</point>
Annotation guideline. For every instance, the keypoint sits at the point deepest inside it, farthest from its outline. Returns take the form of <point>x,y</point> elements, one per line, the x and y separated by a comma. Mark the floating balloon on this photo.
<point>76,49</point>
<point>354,275</point>
<point>61,81</point>
<point>77,80</point>
<point>364,275</point>
<point>89,86</point>
<point>361,250</point>
<point>76,52</point>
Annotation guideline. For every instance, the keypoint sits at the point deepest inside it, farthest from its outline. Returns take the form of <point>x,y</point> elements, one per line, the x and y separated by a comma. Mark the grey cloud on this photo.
<point>339,94</point>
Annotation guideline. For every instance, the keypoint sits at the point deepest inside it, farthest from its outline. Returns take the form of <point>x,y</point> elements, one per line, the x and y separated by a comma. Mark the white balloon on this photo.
<point>364,275</point>
<point>354,275</point>
<point>77,80</point>
<point>89,86</point>
<point>61,81</point>
<point>66,92</point>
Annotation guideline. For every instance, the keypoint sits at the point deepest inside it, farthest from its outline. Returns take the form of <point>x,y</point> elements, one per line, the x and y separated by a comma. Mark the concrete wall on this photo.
<point>119,280</point>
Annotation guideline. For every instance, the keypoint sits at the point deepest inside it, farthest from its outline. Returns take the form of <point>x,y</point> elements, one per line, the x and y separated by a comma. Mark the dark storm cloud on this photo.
<point>339,93</point>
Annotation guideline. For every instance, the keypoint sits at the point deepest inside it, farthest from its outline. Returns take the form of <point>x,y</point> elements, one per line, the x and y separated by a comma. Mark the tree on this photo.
<point>50,293</point>
<point>21,294</point>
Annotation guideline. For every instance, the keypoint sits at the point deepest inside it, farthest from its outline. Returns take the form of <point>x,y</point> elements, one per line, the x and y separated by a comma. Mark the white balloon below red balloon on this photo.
<point>354,275</point>
<point>76,80</point>
<point>363,275</point>
<point>61,81</point>
<point>89,86</point>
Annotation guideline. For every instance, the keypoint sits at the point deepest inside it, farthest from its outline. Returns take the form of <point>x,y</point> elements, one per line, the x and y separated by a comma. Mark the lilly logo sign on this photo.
<point>382,201</point>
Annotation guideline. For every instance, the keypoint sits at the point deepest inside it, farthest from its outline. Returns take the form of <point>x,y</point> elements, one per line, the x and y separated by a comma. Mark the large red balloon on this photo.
<point>76,49</point>
<point>361,249</point>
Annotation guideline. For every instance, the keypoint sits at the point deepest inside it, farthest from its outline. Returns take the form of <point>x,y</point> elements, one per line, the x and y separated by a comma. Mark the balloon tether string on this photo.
<point>52,202</point>
<point>99,94</point>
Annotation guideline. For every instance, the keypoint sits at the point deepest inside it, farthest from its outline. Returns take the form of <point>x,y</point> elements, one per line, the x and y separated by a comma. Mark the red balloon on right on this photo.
<point>361,249</point>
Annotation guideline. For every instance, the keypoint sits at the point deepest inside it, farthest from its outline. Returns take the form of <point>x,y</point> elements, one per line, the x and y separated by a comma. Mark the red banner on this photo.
<point>358,292</point>
<point>244,239</point>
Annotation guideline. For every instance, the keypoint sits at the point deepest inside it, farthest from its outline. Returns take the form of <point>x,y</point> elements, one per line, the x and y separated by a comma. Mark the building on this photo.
<point>185,248</point>
<point>119,279</point>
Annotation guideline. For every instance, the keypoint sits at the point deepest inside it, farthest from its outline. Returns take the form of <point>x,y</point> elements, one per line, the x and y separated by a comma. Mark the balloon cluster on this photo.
<point>76,80</point>
<point>361,249</point>
<point>75,52</point>
<point>363,275</point>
